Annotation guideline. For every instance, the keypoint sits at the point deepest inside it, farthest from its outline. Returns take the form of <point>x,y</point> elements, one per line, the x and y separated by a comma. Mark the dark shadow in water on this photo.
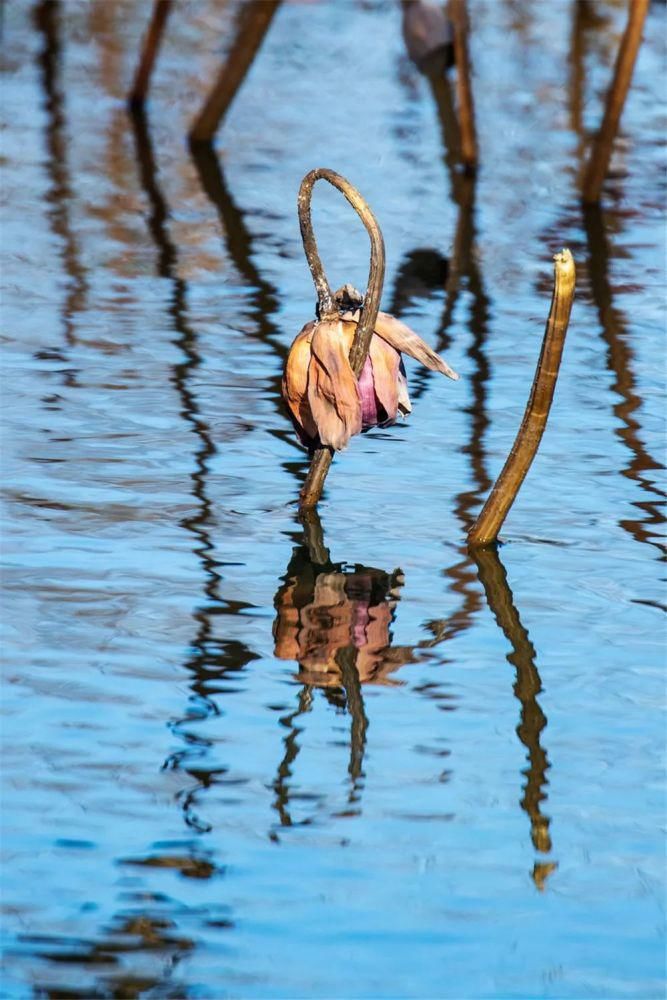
<point>334,620</point>
<point>59,197</point>
<point>212,658</point>
<point>527,686</point>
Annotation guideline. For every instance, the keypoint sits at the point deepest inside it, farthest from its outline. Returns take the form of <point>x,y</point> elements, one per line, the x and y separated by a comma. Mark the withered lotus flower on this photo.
<point>328,405</point>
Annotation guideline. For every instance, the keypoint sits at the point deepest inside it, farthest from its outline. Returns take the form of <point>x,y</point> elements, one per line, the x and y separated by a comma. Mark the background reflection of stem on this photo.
<point>292,747</point>
<point>528,685</point>
<point>613,324</point>
<point>212,656</point>
<point>47,21</point>
<point>264,297</point>
<point>619,359</point>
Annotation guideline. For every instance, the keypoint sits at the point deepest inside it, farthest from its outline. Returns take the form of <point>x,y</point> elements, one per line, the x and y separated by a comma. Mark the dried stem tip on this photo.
<point>485,529</point>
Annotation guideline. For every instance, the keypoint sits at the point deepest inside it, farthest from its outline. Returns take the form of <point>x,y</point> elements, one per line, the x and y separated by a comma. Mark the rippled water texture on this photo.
<point>236,765</point>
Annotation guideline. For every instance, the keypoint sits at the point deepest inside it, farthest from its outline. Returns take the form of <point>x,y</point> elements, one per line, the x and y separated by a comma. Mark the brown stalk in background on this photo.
<point>151,47</point>
<point>600,155</point>
<point>459,17</point>
<point>255,18</point>
<point>485,529</point>
<point>319,466</point>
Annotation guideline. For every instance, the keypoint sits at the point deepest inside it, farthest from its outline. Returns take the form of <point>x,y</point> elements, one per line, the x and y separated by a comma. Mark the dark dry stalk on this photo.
<point>459,16</point>
<point>256,17</point>
<point>151,47</point>
<point>319,466</point>
<point>485,529</point>
<point>600,156</point>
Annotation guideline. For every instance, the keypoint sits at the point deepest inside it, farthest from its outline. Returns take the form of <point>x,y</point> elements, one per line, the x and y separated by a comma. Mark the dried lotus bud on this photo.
<point>328,405</point>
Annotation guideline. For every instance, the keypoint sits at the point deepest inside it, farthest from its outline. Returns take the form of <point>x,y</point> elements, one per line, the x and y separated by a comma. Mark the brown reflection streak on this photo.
<point>462,270</point>
<point>292,747</point>
<point>619,362</point>
<point>47,18</point>
<point>527,686</point>
<point>613,324</point>
<point>148,932</point>
<point>238,245</point>
<point>211,657</point>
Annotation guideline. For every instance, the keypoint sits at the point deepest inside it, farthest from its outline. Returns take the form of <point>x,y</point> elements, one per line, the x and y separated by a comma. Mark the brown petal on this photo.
<point>403,339</point>
<point>333,393</point>
<point>295,380</point>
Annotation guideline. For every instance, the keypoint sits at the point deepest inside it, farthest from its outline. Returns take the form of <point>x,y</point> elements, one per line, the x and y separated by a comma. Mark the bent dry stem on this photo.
<point>485,529</point>
<point>321,461</point>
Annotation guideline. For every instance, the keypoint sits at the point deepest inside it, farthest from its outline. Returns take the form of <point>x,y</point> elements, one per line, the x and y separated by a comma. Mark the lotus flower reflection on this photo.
<point>328,405</point>
<point>323,610</point>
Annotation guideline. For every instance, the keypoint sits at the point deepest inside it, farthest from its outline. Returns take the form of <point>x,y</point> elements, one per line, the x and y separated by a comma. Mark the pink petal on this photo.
<point>386,362</point>
<point>369,410</point>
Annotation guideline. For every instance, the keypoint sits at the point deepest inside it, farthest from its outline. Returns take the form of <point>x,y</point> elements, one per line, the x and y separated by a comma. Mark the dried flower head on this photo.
<point>327,403</point>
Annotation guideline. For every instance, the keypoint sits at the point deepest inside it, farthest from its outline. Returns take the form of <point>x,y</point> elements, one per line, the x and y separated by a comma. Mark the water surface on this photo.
<point>243,760</point>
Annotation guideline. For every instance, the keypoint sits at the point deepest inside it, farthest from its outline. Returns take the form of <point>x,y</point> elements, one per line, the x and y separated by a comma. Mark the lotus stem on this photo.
<point>151,47</point>
<point>321,461</point>
<point>459,16</point>
<point>256,16</point>
<point>600,155</point>
<point>485,529</point>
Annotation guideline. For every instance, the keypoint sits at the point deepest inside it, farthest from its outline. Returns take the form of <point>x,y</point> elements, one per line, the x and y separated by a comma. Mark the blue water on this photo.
<point>191,808</point>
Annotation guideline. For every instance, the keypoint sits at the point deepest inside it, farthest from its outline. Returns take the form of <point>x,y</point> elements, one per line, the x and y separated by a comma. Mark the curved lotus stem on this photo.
<point>485,529</point>
<point>312,488</point>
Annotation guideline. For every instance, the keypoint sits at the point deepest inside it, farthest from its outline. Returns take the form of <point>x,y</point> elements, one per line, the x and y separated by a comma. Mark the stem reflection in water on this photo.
<point>493,577</point>
<point>335,623</point>
<point>211,657</point>
<point>598,225</point>
<point>619,361</point>
<point>60,196</point>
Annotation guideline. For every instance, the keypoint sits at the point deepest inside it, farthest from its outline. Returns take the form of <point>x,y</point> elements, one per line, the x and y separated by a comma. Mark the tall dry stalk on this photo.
<point>600,155</point>
<point>485,529</point>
